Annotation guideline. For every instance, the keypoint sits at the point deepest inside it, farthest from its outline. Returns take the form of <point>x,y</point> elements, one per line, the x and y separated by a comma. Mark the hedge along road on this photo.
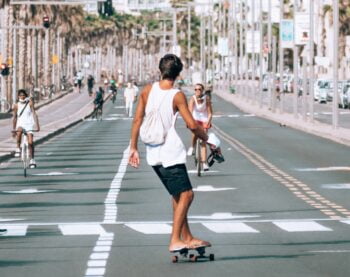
<point>277,206</point>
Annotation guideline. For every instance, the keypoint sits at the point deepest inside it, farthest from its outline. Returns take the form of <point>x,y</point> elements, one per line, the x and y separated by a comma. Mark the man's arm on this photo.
<point>181,105</point>
<point>134,158</point>
<point>210,109</point>
<point>14,120</point>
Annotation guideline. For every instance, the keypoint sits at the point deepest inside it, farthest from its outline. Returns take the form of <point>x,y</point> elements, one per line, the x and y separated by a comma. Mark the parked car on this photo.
<point>344,95</point>
<point>320,91</point>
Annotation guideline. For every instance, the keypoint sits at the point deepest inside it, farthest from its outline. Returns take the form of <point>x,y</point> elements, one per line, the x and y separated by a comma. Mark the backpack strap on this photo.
<point>25,106</point>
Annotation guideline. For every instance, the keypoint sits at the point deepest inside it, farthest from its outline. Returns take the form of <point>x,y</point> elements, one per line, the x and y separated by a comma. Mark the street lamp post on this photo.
<point>335,119</point>
<point>295,66</point>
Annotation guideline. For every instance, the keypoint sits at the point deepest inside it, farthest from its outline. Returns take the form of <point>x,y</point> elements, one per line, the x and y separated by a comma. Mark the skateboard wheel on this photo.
<point>211,257</point>
<point>175,259</point>
<point>194,258</point>
<point>191,256</point>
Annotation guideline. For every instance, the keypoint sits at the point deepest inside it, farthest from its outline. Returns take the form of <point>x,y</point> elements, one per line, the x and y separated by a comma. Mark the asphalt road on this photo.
<point>278,205</point>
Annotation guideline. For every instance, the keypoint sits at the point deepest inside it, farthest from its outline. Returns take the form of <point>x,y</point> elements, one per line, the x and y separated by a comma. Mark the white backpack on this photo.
<point>152,131</point>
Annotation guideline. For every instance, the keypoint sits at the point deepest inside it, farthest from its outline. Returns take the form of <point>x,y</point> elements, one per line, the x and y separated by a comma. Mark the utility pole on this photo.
<point>281,62</point>
<point>189,38</point>
<point>311,62</point>
<point>335,119</point>
<point>261,56</point>
<point>295,65</point>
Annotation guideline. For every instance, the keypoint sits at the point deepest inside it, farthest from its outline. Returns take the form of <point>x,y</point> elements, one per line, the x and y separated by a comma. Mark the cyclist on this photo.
<point>202,111</point>
<point>90,84</point>
<point>24,118</point>
<point>98,101</point>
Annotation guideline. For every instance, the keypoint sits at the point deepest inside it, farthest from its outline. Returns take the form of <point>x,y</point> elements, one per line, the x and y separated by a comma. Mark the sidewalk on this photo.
<point>54,118</point>
<point>340,135</point>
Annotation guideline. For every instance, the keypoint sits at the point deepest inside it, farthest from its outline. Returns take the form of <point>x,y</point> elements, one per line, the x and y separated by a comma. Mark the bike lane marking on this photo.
<point>96,265</point>
<point>298,188</point>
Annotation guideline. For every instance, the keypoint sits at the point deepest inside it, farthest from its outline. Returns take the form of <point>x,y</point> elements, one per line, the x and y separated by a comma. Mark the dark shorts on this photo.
<point>174,178</point>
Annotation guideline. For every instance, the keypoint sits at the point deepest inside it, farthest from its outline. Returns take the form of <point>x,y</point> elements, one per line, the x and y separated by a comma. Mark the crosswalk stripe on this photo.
<point>78,229</point>
<point>301,226</point>
<point>14,230</point>
<point>153,228</point>
<point>230,227</point>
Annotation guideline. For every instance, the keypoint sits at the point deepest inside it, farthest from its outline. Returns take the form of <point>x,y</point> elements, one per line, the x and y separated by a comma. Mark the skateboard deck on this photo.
<point>199,254</point>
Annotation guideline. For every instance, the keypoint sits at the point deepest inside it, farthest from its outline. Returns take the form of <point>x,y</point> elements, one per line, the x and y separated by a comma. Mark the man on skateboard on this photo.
<point>168,159</point>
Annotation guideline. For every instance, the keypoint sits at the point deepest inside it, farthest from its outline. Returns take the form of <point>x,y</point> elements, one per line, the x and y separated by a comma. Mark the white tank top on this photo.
<point>200,111</point>
<point>173,151</point>
<point>26,120</point>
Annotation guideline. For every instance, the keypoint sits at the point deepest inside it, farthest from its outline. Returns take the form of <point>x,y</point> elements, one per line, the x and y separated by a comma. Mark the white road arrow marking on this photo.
<point>221,216</point>
<point>336,186</point>
<point>332,168</point>
<point>211,188</point>
<point>228,227</point>
<point>27,191</point>
<point>54,174</point>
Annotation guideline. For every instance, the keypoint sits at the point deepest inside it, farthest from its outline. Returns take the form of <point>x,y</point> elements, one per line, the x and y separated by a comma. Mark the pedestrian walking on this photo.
<point>168,158</point>
<point>129,97</point>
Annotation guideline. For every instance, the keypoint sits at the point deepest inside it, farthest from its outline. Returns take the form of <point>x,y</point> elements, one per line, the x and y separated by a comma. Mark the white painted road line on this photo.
<point>77,229</point>
<point>151,229</point>
<point>211,189</point>
<point>336,186</point>
<point>332,168</point>
<point>14,230</point>
<point>301,226</point>
<point>230,228</point>
<point>221,216</point>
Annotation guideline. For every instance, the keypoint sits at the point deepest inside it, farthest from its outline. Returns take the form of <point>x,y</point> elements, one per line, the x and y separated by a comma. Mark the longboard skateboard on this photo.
<point>185,253</point>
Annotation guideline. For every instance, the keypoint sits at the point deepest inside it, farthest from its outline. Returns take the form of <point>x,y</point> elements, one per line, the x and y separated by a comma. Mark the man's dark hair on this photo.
<point>170,66</point>
<point>20,91</point>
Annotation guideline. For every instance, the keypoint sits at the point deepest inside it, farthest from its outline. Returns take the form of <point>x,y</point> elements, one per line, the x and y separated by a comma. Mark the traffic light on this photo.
<point>5,70</point>
<point>46,22</point>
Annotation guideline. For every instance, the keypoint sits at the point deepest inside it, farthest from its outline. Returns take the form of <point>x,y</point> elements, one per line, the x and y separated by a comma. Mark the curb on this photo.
<point>341,135</point>
<point>59,131</point>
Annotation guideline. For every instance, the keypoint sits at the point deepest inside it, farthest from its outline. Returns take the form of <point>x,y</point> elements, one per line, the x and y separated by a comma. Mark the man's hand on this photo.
<point>134,158</point>
<point>13,132</point>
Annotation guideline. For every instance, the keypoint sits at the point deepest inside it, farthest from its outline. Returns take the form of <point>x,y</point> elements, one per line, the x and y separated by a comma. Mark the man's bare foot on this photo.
<point>176,246</point>
<point>195,243</point>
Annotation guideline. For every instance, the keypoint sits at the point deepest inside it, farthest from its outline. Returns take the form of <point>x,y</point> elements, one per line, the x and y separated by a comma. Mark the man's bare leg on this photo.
<point>186,235</point>
<point>183,202</point>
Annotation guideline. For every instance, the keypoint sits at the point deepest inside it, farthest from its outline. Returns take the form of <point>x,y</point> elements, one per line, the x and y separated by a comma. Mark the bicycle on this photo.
<point>97,113</point>
<point>198,157</point>
<point>25,150</point>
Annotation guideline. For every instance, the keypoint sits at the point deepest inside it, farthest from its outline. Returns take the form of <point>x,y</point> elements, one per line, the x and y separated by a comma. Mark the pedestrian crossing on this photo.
<point>162,228</point>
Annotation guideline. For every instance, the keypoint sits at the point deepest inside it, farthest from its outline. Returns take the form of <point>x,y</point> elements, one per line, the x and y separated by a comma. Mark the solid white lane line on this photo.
<point>211,189</point>
<point>151,228</point>
<point>96,266</point>
<point>336,186</point>
<point>301,226</point>
<point>230,228</point>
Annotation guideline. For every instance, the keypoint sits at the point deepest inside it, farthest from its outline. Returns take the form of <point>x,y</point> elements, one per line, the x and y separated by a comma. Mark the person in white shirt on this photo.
<point>168,159</point>
<point>202,111</point>
<point>129,97</point>
<point>25,118</point>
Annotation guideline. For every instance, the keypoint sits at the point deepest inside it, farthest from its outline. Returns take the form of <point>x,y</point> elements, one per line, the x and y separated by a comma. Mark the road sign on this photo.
<point>55,59</point>
<point>302,28</point>
<point>249,41</point>
<point>287,33</point>
<point>223,46</point>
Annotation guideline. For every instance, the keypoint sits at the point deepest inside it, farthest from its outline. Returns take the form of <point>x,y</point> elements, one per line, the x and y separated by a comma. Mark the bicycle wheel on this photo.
<point>198,157</point>
<point>25,159</point>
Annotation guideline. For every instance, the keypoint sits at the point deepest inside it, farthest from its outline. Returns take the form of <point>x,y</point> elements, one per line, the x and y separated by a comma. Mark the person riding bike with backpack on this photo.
<point>24,119</point>
<point>98,101</point>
